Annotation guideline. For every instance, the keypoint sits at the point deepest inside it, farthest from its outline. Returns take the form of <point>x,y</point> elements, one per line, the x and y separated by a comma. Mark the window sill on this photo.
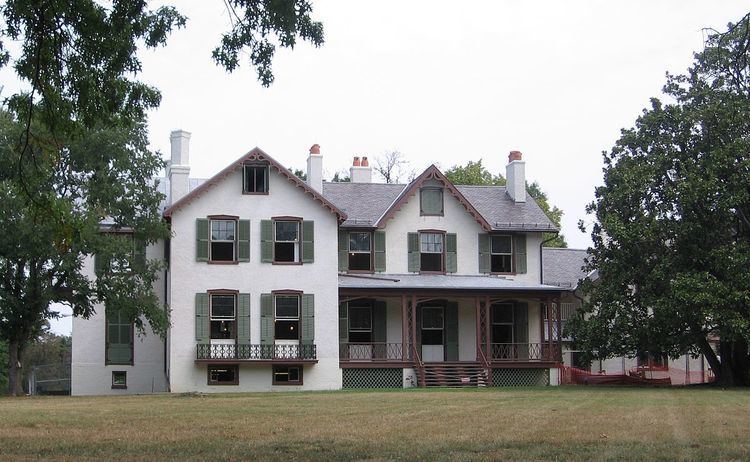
<point>119,387</point>
<point>293,263</point>
<point>421,214</point>
<point>249,193</point>
<point>432,272</point>
<point>493,273</point>
<point>360,272</point>
<point>219,262</point>
<point>286,384</point>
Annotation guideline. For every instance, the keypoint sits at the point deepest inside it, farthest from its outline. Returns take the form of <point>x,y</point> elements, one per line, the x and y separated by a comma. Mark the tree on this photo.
<point>3,366</point>
<point>474,173</point>
<point>74,151</point>
<point>672,236</point>
<point>340,177</point>
<point>392,166</point>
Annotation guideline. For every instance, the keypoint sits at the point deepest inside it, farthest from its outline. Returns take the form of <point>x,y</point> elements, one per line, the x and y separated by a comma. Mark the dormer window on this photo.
<point>255,179</point>
<point>431,201</point>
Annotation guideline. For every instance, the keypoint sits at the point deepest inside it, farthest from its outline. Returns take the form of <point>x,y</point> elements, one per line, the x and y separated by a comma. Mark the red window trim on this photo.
<point>442,255</point>
<point>372,253</point>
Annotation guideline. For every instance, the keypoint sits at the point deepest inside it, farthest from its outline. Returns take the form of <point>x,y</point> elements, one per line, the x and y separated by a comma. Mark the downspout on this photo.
<point>541,258</point>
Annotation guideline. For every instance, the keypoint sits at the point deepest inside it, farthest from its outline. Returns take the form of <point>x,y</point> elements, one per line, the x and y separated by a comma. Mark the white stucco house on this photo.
<point>277,284</point>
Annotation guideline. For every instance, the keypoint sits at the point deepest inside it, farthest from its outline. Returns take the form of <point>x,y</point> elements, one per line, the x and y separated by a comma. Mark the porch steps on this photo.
<point>454,375</point>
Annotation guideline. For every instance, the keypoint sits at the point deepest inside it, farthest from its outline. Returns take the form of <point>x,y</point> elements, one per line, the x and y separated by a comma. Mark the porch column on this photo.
<point>478,306</point>
<point>487,333</point>
<point>558,316</point>
<point>413,321</point>
<point>548,305</point>
<point>404,329</point>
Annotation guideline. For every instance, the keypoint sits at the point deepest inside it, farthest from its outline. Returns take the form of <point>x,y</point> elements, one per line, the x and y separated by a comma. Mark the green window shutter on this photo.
<point>451,260</point>
<point>243,240</point>
<point>379,238</point>
<point>343,250</point>
<point>431,201</point>
<point>243,319</point>
<point>139,254</point>
<point>379,322</point>
<point>343,322</point>
<point>201,239</point>
<point>308,241</point>
<point>119,348</point>
<point>521,322</point>
<point>451,331</point>
<point>484,253</point>
<point>266,319</point>
<point>266,241</point>
<point>519,253</point>
<point>414,256</point>
<point>202,320</point>
<point>307,336</point>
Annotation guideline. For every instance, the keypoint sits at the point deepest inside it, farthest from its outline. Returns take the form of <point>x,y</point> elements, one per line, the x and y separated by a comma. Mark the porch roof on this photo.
<point>438,282</point>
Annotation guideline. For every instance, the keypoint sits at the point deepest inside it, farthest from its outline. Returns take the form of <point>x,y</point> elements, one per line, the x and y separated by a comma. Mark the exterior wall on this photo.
<point>89,374</point>
<point>455,220</point>
<point>188,277</point>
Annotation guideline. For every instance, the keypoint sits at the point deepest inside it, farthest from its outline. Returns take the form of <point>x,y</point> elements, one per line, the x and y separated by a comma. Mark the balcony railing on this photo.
<point>374,352</point>
<point>523,352</point>
<point>256,352</point>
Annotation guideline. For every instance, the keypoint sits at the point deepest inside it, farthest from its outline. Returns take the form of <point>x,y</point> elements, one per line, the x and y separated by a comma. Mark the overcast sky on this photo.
<point>441,82</point>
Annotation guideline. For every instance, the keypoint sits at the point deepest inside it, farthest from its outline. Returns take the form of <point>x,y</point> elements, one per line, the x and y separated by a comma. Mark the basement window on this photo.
<point>119,380</point>
<point>223,375</point>
<point>287,375</point>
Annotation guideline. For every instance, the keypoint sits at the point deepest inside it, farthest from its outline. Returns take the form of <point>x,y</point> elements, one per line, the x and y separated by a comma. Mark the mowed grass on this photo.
<point>563,423</point>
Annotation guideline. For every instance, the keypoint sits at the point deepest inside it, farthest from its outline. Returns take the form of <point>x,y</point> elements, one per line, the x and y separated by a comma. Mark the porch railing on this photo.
<point>373,352</point>
<point>256,352</point>
<point>523,352</point>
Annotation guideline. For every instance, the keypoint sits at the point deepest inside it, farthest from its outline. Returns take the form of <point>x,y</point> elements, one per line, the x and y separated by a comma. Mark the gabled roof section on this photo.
<point>503,214</point>
<point>256,154</point>
<point>432,173</point>
<point>363,203</point>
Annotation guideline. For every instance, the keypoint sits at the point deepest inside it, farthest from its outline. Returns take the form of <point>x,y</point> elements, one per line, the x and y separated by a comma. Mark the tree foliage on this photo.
<point>393,166</point>
<point>474,173</point>
<point>671,238</point>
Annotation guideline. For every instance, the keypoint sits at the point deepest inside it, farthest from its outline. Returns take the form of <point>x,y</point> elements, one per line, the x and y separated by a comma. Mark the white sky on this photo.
<point>441,82</point>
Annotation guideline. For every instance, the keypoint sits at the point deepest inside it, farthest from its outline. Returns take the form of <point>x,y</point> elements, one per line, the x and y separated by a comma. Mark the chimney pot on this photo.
<point>315,168</point>
<point>365,162</point>
<point>515,176</point>
<point>356,162</point>
<point>315,149</point>
<point>514,155</point>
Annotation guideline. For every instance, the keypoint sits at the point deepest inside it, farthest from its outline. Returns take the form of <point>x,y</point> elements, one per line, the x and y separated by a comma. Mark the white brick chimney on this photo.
<point>315,168</point>
<point>178,169</point>
<point>360,171</point>
<point>515,174</point>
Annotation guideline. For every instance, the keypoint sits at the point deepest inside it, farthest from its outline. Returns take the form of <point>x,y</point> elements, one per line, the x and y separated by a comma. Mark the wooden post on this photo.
<point>487,327</point>
<point>404,329</point>
<point>549,327</point>
<point>478,305</point>
<point>558,305</point>
<point>414,322</point>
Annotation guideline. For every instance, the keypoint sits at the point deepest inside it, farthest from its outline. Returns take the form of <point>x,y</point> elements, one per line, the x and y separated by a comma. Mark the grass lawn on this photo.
<point>490,424</point>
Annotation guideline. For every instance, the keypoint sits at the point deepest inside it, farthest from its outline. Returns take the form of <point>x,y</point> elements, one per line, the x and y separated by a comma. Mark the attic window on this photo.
<point>431,201</point>
<point>255,179</point>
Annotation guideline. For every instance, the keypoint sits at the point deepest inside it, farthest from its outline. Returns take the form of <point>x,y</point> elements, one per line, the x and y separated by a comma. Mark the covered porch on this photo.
<point>414,321</point>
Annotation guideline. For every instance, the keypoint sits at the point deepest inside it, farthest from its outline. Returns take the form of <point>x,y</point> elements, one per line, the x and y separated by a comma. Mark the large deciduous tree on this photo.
<point>74,151</point>
<point>474,173</point>
<point>672,232</point>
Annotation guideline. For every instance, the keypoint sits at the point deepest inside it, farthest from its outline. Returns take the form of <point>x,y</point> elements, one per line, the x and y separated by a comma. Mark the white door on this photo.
<point>433,334</point>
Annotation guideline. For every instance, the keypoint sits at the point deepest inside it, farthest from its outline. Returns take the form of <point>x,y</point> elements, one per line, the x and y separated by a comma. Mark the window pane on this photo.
<point>119,378</point>
<point>360,336</point>
<point>285,252</point>
<point>286,230</point>
<point>501,244</point>
<point>502,313</point>
<point>431,242</point>
<point>222,306</point>
<point>287,330</point>
<point>431,262</point>
<point>360,318</point>
<point>359,261</point>
<point>222,251</point>
<point>432,337</point>
<point>287,307</point>
<point>502,333</point>
<point>432,318</point>
<point>222,230</point>
<point>124,334</point>
<point>222,374</point>
<point>359,242</point>
<point>501,264</point>
<point>222,329</point>
<point>255,179</point>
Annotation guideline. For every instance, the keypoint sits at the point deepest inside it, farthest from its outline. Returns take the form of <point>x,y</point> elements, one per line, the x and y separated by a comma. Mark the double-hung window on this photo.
<point>223,316</point>
<point>360,323</point>
<point>223,240</point>
<point>287,315</point>
<point>502,323</point>
<point>255,179</point>
<point>119,338</point>
<point>431,251</point>
<point>501,258</point>
<point>360,251</point>
<point>286,241</point>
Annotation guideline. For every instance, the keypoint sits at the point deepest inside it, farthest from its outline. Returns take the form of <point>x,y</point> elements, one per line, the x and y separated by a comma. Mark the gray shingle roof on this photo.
<point>363,203</point>
<point>436,281</point>
<point>502,213</point>
<point>563,267</point>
